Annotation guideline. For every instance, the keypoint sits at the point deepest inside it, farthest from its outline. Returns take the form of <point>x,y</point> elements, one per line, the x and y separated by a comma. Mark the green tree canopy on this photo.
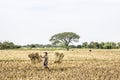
<point>85,45</point>
<point>64,39</point>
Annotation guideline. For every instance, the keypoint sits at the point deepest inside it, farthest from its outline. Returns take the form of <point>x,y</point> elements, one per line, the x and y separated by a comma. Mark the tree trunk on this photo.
<point>67,47</point>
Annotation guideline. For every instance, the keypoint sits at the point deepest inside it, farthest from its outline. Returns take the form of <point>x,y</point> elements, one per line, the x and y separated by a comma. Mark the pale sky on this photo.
<point>35,21</point>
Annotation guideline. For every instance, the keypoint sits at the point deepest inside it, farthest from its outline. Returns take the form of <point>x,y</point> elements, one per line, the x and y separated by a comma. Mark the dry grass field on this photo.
<point>79,64</point>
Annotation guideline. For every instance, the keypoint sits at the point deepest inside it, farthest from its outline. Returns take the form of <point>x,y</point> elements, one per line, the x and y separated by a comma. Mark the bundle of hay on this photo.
<point>58,57</point>
<point>35,58</point>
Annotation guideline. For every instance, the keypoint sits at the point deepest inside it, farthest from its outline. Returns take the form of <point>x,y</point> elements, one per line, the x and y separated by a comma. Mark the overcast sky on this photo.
<point>35,21</point>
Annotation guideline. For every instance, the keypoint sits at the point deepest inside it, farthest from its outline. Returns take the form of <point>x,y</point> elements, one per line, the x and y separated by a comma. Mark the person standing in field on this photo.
<point>46,60</point>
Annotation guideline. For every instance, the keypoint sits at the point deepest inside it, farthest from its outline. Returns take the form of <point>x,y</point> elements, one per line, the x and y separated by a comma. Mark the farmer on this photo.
<point>46,60</point>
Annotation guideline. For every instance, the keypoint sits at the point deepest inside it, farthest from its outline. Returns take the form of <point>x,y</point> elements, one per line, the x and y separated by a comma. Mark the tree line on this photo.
<point>8,45</point>
<point>91,45</point>
<point>100,45</point>
<point>63,40</point>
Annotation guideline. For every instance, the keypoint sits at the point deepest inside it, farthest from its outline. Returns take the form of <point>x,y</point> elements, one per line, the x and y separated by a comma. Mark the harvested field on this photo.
<point>76,65</point>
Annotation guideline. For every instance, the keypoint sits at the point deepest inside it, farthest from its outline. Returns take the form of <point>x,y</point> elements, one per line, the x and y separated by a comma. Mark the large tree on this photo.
<point>64,39</point>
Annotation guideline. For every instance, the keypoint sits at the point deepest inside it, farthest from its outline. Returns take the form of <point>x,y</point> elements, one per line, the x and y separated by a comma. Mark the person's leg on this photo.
<point>46,66</point>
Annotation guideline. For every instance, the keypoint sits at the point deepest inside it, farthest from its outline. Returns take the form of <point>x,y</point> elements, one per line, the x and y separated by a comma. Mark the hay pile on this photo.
<point>35,58</point>
<point>58,57</point>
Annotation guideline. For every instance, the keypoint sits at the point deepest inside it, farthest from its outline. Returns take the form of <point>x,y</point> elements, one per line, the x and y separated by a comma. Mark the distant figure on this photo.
<point>90,50</point>
<point>46,60</point>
